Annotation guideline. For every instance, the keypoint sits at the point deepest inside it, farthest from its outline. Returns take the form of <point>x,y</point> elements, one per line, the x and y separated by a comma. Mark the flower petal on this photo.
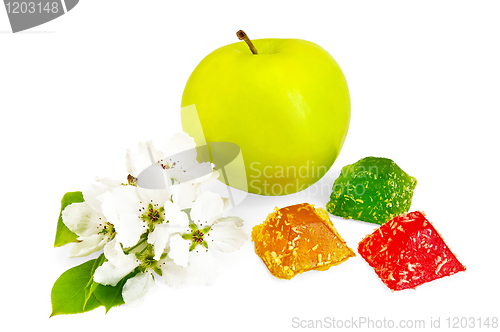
<point>177,276</point>
<point>82,219</point>
<point>107,207</point>
<point>237,220</point>
<point>98,187</point>
<point>117,266</point>
<point>180,155</point>
<point>226,237</point>
<point>159,239</point>
<point>129,230</point>
<point>181,160</point>
<point>137,288</point>
<point>88,245</point>
<point>209,178</point>
<point>124,200</point>
<point>154,196</point>
<point>207,208</point>
<point>122,209</point>
<point>205,266</point>
<point>201,269</point>
<point>137,161</point>
<point>179,142</point>
<point>185,194</point>
<point>194,172</point>
<point>179,250</point>
<point>174,215</point>
<point>226,201</point>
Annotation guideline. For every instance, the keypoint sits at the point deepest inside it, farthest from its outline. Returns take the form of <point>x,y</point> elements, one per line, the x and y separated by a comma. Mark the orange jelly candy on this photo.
<point>299,238</point>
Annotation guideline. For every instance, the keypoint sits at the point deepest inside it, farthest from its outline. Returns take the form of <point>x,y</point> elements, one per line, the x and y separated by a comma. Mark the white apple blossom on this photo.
<point>97,188</point>
<point>140,159</point>
<point>177,159</point>
<point>119,264</point>
<point>175,221</point>
<point>136,211</point>
<point>208,231</point>
<point>137,288</point>
<point>90,225</point>
<point>87,220</point>
<point>169,232</point>
<point>202,268</point>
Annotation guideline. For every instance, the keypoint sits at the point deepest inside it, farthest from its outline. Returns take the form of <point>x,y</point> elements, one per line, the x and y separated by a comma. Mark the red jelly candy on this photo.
<point>407,251</point>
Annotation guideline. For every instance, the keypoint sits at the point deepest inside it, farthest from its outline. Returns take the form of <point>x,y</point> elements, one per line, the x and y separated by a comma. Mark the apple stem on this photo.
<point>243,36</point>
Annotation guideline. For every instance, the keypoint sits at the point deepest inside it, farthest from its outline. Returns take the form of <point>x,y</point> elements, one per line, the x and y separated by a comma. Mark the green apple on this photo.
<point>287,108</point>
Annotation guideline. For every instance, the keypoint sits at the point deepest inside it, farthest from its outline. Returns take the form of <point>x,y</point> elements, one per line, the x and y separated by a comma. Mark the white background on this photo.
<point>424,78</point>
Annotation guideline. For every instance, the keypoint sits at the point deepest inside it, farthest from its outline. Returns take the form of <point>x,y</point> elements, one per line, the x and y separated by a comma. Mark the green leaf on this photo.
<point>68,292</point>
<point>92,285</point>
<point>111,296</point>
<point>63,234</point>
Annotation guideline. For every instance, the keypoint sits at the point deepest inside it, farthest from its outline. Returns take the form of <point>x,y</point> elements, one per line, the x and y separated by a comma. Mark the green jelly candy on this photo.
<point>373,190</point>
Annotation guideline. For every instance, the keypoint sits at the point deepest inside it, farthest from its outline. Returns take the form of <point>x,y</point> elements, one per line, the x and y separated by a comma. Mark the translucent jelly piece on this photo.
<point>373,190</point>
<point>299,238</point>
<point>407,252</point>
